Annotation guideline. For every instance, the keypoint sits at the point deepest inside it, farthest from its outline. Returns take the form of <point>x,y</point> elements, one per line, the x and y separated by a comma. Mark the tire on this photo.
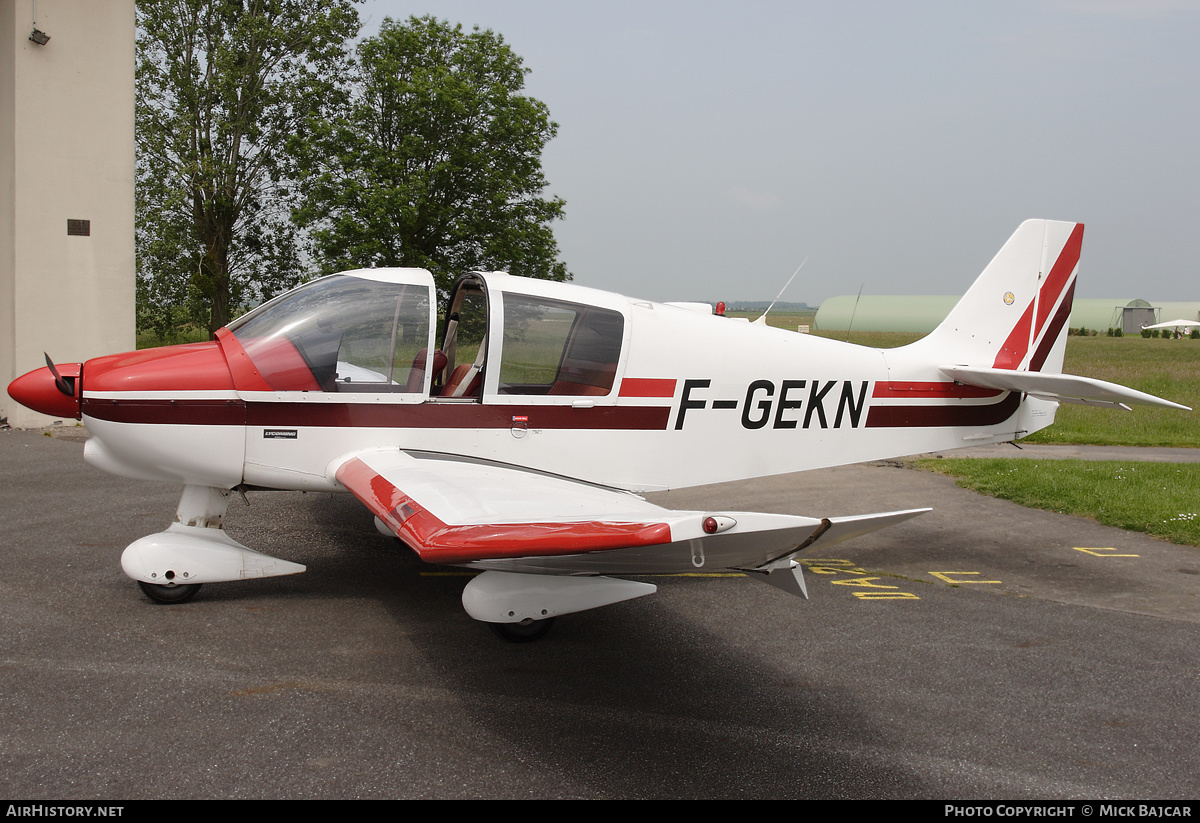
<point>169,594</point>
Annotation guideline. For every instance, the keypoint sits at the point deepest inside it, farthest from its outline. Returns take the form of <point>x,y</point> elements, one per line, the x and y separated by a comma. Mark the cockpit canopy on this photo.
<point>372,331</point>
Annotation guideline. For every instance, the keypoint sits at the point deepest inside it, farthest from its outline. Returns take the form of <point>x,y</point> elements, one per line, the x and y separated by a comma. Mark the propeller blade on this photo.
<point>59,380</point>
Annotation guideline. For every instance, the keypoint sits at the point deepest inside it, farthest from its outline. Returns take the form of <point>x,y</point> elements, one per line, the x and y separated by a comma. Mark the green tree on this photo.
<point>434,161</point>
<point>222,85</point>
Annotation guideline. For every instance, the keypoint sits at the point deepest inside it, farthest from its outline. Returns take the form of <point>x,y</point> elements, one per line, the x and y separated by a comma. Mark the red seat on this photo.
<point>457,376</point>
<point>416,377</point>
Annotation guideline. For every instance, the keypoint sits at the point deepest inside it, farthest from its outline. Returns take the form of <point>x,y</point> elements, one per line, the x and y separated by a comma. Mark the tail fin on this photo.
<point>1015,314</point>
<point>1009,331</point>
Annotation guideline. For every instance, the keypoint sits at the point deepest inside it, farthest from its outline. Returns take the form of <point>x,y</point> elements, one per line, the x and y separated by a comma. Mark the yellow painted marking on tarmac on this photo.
<point>954,581</point>
<point>865,582</point>
<point>1095,552</point>
<point>831,566</point>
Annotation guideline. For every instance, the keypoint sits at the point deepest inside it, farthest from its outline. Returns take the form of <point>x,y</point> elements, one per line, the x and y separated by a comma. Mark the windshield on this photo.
<point>341,333</point>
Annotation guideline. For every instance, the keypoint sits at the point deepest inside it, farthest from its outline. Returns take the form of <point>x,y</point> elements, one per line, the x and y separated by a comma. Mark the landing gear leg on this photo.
<point>170,566</point>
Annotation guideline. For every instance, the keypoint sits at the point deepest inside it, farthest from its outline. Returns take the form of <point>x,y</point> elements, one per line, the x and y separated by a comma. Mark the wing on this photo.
<point>458,510</point>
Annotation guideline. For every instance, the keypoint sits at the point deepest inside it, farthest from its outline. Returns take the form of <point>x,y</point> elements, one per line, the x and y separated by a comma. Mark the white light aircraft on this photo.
<point>516,443</point>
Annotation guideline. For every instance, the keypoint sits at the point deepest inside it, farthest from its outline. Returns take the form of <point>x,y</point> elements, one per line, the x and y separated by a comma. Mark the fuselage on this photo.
<point>547,376</point>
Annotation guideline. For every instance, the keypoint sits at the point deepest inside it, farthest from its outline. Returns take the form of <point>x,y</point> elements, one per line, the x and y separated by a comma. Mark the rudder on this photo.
<point>1015,314</point>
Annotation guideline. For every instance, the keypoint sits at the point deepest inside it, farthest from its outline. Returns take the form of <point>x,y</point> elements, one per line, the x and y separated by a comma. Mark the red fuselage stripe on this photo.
<point>899,389</point>
<point>432,415</point>
<point>647,387</point>
<point>167,412</point>
<point>897,417</point>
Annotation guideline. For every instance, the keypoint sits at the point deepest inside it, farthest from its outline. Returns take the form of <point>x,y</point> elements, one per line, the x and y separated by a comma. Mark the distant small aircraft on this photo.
<point>1180,327</point>
<point>515,443</point>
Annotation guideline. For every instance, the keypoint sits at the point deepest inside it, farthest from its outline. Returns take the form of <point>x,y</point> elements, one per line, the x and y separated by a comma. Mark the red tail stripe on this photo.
<point>1015,347</point>
<point>902,389</point>
<point>1051,335</point>
<point>1068,259</point>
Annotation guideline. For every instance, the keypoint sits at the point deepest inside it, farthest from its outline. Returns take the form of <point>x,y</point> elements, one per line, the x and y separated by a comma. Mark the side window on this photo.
<point>464,344</point>
<point>557,348</point>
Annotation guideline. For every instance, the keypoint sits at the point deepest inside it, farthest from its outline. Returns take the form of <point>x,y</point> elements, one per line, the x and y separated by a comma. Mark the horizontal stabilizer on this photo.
<point>836,529</point>
<point>1064,388</point>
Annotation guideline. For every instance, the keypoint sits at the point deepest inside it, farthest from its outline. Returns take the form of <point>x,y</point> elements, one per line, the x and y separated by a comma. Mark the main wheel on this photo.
<point>169,594</point>
<point>523,632</point>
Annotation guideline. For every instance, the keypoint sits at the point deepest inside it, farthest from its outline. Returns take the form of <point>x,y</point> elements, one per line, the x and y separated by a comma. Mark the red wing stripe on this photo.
<point>647,387</point>
<point>906,390</point>
<point>438,542</point>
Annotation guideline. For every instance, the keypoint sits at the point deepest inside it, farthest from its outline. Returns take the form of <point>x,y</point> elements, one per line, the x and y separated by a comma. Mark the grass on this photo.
<point>1162,499</point>
<point>1167,368</point>
<point>874,339</point>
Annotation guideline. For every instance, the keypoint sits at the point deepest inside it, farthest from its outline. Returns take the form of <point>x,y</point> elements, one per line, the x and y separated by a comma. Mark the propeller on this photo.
<point>60,381</point>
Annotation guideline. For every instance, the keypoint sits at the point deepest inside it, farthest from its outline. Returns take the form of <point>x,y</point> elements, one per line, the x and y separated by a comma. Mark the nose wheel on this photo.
<point>169,594</point>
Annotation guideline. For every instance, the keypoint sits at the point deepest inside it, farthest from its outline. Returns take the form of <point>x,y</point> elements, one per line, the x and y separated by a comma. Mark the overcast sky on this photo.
<point>706,148</point>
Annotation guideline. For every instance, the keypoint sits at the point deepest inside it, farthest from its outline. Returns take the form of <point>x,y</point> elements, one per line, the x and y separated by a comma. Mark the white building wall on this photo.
<point>66,153</point>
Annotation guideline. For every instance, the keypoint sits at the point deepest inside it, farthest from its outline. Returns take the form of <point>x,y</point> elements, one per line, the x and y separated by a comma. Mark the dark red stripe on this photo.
<point>901,389</point>
<point>899,417</point>
<point>1052,332</point>
<point>168,412</point>
<point>374,415</point>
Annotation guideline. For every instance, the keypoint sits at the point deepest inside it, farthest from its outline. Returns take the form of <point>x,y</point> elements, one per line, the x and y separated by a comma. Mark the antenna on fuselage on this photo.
<point>854,311</point>
<point>762,321</point>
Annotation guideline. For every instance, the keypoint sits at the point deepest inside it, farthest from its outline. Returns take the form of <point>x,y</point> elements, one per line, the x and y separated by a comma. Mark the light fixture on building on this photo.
<point>40,37</point>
